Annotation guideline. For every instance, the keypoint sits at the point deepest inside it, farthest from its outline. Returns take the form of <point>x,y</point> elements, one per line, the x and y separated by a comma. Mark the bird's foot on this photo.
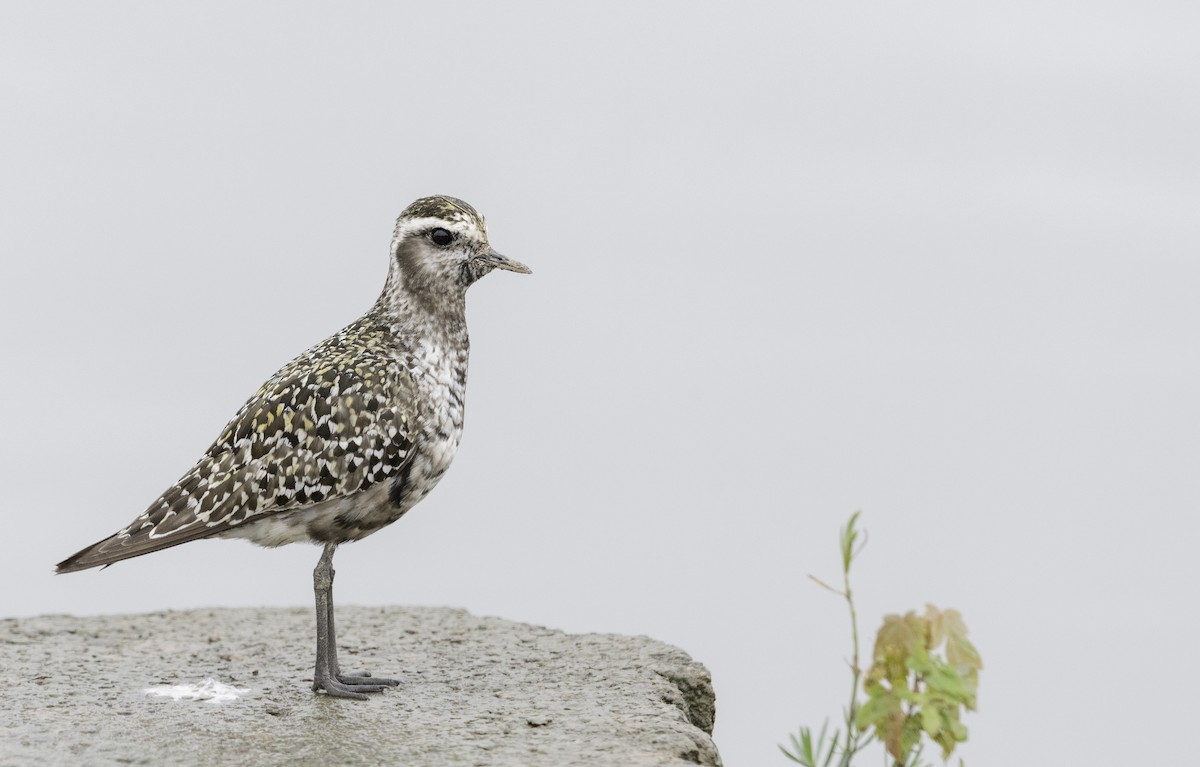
<point>354,689</point>
<point>360,678</point>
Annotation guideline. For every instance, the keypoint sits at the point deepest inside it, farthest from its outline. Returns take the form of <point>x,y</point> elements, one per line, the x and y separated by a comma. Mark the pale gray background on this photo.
<point>791,260</point>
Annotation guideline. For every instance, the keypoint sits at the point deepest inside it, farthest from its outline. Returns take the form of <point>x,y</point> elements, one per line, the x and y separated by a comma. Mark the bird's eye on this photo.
<point>441,237</point>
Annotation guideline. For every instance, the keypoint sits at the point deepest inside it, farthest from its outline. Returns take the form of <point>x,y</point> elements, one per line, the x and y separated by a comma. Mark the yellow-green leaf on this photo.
<point>937,633</point>
<point>959,649</point>
<point>899,638</point>
<point>931,720</point>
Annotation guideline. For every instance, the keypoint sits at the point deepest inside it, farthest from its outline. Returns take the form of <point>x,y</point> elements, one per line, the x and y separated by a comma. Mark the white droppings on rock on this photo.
<point>209,690</point>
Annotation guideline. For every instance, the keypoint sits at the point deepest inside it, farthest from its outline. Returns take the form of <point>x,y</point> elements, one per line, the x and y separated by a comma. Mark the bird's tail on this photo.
<point>96,555</point>
<point>126,545</point>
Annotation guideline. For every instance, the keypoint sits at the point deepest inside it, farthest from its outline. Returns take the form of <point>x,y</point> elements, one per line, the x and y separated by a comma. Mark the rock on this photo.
<point>477,691</point>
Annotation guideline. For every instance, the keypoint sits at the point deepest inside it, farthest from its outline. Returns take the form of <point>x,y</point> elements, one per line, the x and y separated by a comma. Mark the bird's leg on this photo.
<point>325,676</point>
<point>355,678</point>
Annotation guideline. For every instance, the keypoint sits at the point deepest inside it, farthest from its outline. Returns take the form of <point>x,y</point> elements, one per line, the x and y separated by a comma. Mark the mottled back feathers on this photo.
<point>332,422</point>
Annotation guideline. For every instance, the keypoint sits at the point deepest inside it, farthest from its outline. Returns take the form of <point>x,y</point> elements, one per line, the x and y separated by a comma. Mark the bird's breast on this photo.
<point>441,378</point>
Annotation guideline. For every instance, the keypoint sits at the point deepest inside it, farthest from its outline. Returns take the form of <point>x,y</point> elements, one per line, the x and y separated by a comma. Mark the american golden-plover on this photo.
<point>347,437</point>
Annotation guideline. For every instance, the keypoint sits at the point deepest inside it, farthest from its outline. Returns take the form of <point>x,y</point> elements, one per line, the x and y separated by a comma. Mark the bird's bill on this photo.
<point>500,261</point>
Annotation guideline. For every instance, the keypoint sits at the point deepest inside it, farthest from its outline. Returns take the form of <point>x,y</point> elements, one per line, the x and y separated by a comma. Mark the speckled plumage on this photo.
<point>349,435</point>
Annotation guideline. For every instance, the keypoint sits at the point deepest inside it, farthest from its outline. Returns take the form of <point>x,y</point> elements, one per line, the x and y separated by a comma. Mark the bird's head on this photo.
<point>440,248</point>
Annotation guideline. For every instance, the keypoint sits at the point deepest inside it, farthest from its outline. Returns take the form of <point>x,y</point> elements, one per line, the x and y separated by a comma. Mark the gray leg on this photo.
<point>326,676</point>
<point>358,679</point>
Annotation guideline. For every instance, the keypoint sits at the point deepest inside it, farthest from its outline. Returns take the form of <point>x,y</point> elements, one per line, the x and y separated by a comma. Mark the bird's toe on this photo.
<point>360,678</point>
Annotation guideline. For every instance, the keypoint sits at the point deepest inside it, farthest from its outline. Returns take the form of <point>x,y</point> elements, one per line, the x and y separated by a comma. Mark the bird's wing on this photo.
<point>310,434</point>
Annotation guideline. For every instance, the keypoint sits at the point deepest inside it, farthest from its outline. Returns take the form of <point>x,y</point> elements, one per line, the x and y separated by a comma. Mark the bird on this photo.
<point>348,436</point>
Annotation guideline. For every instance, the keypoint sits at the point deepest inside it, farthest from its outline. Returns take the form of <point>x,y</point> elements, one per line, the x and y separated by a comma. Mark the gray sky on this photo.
<point>931,261</point>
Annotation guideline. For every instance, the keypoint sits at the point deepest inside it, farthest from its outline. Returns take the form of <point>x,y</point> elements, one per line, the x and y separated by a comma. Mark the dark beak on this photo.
<point>492,258</point>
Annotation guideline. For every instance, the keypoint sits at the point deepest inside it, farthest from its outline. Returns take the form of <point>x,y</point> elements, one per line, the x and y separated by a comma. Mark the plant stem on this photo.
<point>852,710</point>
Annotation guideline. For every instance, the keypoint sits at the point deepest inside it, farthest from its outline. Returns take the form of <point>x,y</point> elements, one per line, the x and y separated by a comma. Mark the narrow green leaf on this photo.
<point>793,757</point>
<point>832,749</point>
<point>849,536</point>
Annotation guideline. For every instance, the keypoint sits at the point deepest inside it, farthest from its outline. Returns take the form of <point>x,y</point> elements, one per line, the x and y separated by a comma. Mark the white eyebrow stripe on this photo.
<point>407,226</point>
